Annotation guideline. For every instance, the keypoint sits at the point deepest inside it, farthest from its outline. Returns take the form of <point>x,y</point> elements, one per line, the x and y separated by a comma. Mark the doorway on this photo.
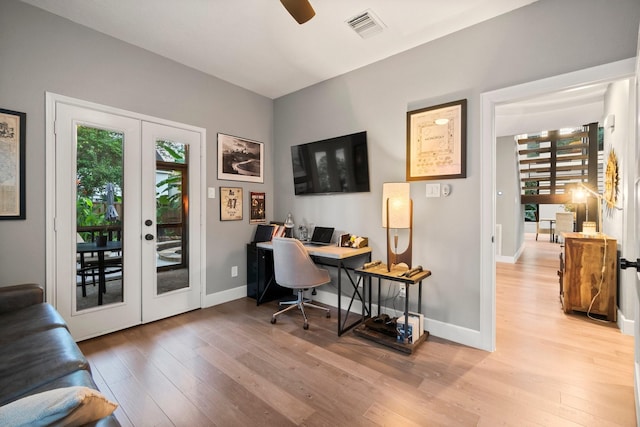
<point>124,243</point>
<point>489,100</point>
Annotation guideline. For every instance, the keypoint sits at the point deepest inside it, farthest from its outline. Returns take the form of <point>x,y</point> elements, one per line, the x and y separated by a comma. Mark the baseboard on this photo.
<point>626,325</point>
<point>225,296</point>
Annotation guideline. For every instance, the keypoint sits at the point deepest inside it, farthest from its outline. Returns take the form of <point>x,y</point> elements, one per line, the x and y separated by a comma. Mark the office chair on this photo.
<point>295,269</point>
<point>564,224</point>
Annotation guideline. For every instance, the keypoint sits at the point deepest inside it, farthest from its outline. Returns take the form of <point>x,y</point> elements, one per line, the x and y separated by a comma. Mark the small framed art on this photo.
<point>437,142</point>
<point>257,212</point>
<point>13,126</point>
<point>230,203</point>
<point>240,159</point>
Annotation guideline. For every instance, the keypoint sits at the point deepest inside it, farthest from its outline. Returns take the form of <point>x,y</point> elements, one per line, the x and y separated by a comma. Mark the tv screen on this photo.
<point>335,165</point>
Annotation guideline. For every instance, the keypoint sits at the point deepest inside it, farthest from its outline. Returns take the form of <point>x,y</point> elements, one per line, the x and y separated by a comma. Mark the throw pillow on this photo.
<point>70,406</point>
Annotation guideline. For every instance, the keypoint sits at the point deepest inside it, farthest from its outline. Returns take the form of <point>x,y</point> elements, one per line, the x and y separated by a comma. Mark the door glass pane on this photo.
<point>99,210</point>
<point>171,216</point>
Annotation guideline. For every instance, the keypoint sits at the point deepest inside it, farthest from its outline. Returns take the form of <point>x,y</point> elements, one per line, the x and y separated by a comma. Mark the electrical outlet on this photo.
<point>403,291</point>
<point>234,271</point>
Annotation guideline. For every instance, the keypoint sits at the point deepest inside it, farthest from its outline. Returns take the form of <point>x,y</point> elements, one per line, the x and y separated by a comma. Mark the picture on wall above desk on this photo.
<point>257,213</point>
<point>230,203</point>
<point>13,127</point>
<point>240,159</point>
<point>437,142</point>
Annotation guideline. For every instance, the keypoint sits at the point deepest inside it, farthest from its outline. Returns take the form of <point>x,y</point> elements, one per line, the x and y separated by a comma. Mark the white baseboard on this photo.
<point>225,296</point>
<point>626,325</point>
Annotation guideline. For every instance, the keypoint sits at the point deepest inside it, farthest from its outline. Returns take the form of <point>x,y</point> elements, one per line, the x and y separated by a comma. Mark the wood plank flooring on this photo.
<point>228,366</point>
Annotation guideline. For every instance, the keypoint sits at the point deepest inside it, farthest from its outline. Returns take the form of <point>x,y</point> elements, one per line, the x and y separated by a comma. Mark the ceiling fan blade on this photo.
<point>301,10</point>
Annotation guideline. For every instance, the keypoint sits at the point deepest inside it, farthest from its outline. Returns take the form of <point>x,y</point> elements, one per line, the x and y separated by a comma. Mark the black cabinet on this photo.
<point>260,274</point>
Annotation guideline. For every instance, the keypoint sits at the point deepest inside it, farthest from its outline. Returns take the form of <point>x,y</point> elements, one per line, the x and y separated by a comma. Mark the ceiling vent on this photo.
<point>366,24</point>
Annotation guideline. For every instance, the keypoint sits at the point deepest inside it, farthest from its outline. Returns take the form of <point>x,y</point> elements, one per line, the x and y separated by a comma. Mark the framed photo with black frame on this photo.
<point>13,129</point>
<point>240,159</point>
<point>437,142</point>
<point>230,203</point>
<point>257,210</point>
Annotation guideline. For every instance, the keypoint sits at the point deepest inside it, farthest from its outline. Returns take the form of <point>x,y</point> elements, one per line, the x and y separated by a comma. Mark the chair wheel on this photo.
<point>273,320</point>
<point>305,326</point>
<point>328,314</point>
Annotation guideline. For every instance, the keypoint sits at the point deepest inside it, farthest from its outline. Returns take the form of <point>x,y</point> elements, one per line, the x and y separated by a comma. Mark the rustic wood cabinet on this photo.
<point>584,283</point>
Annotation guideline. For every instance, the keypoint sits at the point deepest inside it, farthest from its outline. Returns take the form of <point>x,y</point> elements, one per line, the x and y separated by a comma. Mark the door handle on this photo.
<point>148,236</point>
<point>624,264</point>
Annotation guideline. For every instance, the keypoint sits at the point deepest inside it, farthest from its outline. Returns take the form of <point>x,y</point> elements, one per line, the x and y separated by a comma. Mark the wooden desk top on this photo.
<point>576,235</point>
<point>396,274</point>
<point>330,251</point>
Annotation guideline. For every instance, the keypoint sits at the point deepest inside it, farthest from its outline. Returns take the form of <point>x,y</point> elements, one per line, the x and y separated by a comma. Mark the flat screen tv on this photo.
<point>335,165</point>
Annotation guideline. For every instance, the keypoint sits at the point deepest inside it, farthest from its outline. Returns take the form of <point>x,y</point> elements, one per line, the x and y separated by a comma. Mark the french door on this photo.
<point>127,219</point>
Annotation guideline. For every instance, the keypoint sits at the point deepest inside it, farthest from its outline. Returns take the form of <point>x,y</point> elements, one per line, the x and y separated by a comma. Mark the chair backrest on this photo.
<point>564,222</point>
<point>293,266</point>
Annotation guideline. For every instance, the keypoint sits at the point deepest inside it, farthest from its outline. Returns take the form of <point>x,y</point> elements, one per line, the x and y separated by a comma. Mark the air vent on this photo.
<point>366,24</point>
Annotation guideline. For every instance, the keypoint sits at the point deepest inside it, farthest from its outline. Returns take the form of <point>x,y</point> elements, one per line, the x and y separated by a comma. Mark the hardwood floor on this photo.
<point>228,366</point>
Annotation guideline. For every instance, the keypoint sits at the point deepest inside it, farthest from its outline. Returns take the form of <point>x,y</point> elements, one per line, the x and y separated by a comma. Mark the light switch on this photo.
<point>433,190</point>
<point>211,192</point>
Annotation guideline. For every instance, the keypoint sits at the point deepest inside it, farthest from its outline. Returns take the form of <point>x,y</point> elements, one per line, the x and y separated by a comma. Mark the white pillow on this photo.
<point>71,406</point>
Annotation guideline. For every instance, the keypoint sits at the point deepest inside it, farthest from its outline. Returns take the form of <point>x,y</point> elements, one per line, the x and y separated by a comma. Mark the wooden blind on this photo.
<point>551,162</point>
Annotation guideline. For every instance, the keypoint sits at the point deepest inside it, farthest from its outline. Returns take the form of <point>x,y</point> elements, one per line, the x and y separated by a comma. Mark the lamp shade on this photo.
<point>399,196</point>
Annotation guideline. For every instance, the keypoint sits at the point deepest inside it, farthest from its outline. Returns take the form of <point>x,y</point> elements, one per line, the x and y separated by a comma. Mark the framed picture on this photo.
<point>257,212</point>
<point>437,142</point>
<point>13,127</point>
<point>230,203</point>
<point>240,159</point>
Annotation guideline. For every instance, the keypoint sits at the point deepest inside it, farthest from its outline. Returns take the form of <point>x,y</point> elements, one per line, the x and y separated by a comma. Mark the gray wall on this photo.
<point>509,210</point>
<point>537,41</point>
<point>42,52</point>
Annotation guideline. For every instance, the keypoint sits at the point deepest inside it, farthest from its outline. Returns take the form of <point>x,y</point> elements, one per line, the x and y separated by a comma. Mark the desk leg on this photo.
<point>420,296</point>
<point>406,315</point>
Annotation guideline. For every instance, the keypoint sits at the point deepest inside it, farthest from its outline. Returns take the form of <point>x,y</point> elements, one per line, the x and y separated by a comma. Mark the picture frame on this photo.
<point>230,203</point>
<point>437,142</point>
<point>257,211</point>
<point>240,159</point>
<point>13,129</point>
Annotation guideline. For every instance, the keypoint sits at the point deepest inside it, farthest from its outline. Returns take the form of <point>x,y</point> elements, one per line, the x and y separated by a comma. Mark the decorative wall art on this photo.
<point>13,126</point>
<point>240,159</point>
<point>437,142</point>
<point>230,203</point>
<point>257,212</point>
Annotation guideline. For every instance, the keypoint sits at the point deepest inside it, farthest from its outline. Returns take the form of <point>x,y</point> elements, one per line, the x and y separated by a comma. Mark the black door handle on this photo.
<point>148,236</point>
<point>624,264</point>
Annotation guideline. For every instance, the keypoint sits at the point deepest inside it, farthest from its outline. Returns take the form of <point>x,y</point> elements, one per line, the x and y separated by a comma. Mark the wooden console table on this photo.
<point>395,275</point>
<point>584,284</point>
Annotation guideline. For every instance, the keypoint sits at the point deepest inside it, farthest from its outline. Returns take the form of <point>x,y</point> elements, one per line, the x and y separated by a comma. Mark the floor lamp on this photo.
<point>397,213</point>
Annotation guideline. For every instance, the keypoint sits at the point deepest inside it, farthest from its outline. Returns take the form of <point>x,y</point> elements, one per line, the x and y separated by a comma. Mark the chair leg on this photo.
<point>299,303</point>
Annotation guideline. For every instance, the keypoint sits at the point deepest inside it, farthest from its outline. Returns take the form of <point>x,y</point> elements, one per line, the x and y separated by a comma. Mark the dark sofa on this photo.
<point>38,352</point>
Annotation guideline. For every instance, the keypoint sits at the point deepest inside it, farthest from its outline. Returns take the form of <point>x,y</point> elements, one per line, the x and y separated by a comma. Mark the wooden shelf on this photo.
<point>365,332</point>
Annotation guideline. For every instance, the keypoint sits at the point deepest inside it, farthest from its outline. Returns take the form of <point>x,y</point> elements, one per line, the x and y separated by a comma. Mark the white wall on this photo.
<point>528,44</point>
<point>509,210</point>
<point>620,224</point>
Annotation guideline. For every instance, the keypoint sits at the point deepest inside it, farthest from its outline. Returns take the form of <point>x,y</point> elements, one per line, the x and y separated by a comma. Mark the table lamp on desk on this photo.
<point>397,213</point>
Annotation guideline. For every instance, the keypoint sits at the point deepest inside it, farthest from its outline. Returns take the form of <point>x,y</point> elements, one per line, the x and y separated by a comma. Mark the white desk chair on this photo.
<point>295,269</point>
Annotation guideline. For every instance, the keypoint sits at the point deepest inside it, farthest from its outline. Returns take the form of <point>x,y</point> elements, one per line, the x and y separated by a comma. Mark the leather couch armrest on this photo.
<point>18,296</point>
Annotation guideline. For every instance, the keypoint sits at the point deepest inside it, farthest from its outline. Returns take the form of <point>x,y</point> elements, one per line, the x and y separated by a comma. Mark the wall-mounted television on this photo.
<point>335,165</point>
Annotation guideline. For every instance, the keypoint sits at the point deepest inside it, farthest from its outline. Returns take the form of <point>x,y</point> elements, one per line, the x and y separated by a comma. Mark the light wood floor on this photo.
<point>228,366</point>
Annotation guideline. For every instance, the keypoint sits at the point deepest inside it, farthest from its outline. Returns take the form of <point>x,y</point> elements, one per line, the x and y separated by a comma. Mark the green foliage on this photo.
<point>99,160</point>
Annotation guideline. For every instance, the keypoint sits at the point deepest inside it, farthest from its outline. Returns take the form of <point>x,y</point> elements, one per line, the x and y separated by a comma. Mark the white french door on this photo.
<point>170,159</point>
<point>138,184</point>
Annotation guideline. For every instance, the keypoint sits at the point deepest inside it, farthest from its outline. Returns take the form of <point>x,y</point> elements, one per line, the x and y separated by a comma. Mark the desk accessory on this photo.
<point>371,264</point>
<point>412,272</point>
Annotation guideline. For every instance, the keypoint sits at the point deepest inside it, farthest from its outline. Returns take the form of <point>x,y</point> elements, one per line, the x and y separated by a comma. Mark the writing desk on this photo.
<point>341,258</point>
<point>395,275</point>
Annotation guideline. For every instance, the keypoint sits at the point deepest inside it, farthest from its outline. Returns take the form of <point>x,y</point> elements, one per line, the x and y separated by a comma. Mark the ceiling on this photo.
<point>257,45</point>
